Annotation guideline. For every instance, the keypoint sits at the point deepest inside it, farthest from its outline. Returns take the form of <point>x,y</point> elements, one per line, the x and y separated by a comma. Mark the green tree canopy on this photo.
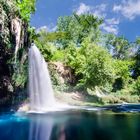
<point>118,46</point>
<point>26,8</point>
<point>92,64</point>
<point>77,27</point>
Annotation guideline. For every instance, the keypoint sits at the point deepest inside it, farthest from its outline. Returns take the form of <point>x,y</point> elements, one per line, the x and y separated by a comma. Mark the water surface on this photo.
<point>70,125</point>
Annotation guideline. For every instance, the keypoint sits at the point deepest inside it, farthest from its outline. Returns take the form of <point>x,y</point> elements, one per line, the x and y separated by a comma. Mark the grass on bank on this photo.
<point>88,99</point>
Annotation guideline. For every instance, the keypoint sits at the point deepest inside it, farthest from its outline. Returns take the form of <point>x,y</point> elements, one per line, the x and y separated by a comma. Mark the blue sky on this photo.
<point>121,17</point>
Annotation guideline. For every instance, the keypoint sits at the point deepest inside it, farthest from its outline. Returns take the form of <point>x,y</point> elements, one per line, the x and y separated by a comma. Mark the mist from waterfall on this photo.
<point>40,87</point>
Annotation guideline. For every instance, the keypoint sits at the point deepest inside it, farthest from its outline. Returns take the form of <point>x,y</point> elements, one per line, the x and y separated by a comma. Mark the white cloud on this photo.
<point>83,8</point>
<point>42,28</point>
<point>110,28</point>
<point>53,29</point>
<point>111,25</point>
<point>129,9</point>
<point>50,28</point>
<point>98,10</point>
<point>113,21</point>
<point>117,8</point>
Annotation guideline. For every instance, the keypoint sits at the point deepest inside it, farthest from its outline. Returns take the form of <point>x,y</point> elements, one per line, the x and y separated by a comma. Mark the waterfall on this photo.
<point>40,87</point>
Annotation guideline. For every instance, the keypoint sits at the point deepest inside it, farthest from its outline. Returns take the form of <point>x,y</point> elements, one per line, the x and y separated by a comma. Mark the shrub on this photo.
<point>122,72</point>
<point>92,64</point>
<point>110,100</point>
<point>136,86</point>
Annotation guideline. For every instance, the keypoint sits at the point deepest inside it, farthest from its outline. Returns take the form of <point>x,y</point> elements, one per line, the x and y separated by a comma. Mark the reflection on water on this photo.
<point>71,126</point>
<point>86,126</point>
<point>40,128</point>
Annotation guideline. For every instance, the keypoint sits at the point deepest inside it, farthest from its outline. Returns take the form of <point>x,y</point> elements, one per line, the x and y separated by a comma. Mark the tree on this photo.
<point>26,8</point>
<point>136,70</point>
<point>92,64</point>
<point>122,70</point>
<point>118,46</point>
<point>77,27</point>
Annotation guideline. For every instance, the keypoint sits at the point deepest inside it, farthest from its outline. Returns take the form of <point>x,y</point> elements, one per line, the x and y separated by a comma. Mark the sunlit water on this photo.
<point>84,124</point>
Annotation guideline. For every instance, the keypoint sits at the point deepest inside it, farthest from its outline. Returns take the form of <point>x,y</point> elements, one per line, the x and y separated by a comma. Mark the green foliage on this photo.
<point>77,27</point>
<point>98,69</point>
<point>72,58</point>
<point>138,40</point>
<point>110,100</point>
<point>26,8</point>
<point>20,76</point>
<point>118,46</point>
<point>46,43</point>
<point>14,74</point>
<point>7,9</point>
<point>136,68</point>
<point>136,86</point>
<point>97,60</point>
<point>58,55</point>
<point>92,64</point>
<point>122,70</point>
<point>119,98</point>
<point>111,63</point>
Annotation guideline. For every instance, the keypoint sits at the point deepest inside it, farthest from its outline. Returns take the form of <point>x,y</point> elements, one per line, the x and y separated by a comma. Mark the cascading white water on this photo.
<point>40,87</point>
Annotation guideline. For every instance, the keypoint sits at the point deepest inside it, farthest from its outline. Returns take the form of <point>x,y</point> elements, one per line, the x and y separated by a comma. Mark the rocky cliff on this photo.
<point>14,41</point>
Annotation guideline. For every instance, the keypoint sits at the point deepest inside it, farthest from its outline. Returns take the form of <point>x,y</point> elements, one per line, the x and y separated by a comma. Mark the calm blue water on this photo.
<point>70,125</point>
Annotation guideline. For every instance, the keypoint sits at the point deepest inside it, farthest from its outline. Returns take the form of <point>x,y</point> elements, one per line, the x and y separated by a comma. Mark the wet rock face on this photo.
<point>5,51</point>
<point>13,36</point>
